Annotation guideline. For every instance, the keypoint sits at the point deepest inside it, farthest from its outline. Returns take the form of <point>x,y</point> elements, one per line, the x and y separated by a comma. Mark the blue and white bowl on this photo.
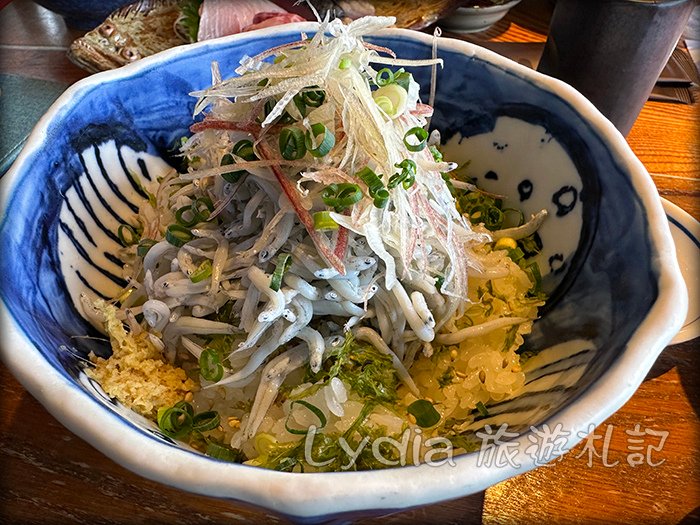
<point>617,296</point>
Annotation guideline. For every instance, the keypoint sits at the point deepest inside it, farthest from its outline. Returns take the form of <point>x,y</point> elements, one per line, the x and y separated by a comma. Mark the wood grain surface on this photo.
<point>48,475</point>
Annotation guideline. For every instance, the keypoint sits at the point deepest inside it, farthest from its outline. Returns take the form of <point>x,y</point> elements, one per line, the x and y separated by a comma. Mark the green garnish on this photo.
<point>176,421</point>
<point>243,149</point>
<point>415,139</point>
<point>407,176</point>
<point>425,413</point>
<point>326,144</point>
<point>128,236</point>
<point>313,99</point>
<point>482,409</point>
<point>180,422</point>
<point>210,366</point>
<point>324,222</point>
<point>375,186</point>
<point>292,143</point>
<point>384,77</point>
<point>284,261</point>
<point>206,421</point>
<point>223,452</point>
<point>202,272</point>
<point>313,409</point>
<point>145,245</point>
<point>341,196</point>
<point>178,235</point>
<point>186,217</point>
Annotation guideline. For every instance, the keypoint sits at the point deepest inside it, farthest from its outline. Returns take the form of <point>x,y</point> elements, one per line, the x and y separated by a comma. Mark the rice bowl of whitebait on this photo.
<point>332,272</point>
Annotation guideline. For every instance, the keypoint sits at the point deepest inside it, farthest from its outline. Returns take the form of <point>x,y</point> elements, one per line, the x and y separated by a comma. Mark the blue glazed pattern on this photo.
<point>58,234</point>
<point>599,297</point>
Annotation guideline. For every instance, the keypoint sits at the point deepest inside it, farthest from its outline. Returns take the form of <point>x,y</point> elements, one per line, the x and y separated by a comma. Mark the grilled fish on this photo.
<point>132,32</point>
<point>149,26</point>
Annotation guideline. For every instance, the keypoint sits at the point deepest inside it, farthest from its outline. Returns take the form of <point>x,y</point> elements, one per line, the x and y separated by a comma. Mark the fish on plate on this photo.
<point>150,26</point>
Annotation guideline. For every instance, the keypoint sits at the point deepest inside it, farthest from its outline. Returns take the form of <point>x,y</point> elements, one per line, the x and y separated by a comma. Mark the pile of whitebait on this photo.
<point>314,204</point>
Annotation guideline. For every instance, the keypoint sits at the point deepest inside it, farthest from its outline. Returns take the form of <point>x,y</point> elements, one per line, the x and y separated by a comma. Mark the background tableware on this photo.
<point>613,51</point>
<point>473,18</point>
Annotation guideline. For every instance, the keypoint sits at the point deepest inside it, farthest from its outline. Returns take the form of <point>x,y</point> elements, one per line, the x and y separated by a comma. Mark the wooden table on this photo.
<point>48,475</point>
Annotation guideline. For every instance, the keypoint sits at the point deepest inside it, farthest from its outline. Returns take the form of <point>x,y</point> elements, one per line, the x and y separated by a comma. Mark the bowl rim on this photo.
<point>313,494</point>
<point>495,8</point>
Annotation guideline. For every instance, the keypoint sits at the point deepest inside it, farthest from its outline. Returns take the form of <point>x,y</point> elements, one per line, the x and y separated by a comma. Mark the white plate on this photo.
<point>685,231</point>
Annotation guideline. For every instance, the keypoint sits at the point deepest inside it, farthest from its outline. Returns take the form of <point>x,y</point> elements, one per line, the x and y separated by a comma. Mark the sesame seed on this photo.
<point>412,419</point>
<point>453,354</point>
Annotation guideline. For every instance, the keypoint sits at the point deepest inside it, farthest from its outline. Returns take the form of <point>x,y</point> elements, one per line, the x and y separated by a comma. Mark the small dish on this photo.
<point>685,231</point>
<point>472,19</point>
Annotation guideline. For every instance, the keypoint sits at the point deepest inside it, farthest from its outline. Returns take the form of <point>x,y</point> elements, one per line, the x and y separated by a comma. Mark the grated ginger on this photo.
<point>136,373</point>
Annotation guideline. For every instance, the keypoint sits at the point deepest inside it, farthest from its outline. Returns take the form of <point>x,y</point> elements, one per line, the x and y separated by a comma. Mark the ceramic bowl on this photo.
<point>616,293</point>
<point>470,19</point>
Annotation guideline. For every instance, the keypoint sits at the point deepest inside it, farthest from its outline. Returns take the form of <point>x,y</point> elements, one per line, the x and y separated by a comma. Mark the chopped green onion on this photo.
<point>403,79</point>
<point>531,245</point>
<point>375,186</point>
<point>230,176</point>
<point>369,177</point>
<point>407,176</point>
<point>176,421</point>
<point>417,134</point>
<point>394,181</point>
<point>381,198</point>
<point>202,207</point>
<point>202,272</point>
<point>313,99</point>
<point>493,218</point>
<point>345,62</point>
<point>384,77</point>
<point>407,165</point>
<point>224,453</point>
<point>326,144</point>
<point>385,104</point>
<point>127,235</point>
<point>312,408</point>
<point>144,246</point>
<point>533,270</point>
<point>210,366</point>
<point>425,413</point>
<point>439,281</point>
<point>397,99</point>
<point>437,155</point>
<point>284,261</point>
<point>482,409</point>
<point>519,213</point>
<point>206,421</point>
<point>342,195</point>
<point>299,103</point>
<point>516,254</point>
<point>324,222</point>
<point>178,235</point>
<point>291,143</point>
<point>186,217</point>
<point>243,149</point>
